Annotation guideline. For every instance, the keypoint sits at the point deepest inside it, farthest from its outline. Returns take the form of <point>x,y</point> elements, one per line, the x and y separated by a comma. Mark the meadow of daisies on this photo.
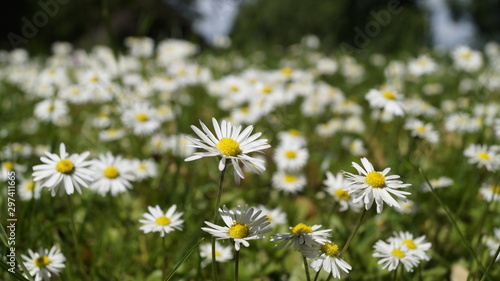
<point>289,164</point>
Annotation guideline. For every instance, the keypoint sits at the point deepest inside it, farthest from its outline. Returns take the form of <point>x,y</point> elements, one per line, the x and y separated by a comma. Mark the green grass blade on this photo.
<point>6,267</point>
<point>182,260</point>
<point>3,236</point>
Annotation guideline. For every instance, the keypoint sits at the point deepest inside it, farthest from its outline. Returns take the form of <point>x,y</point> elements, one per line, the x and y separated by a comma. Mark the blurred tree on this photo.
<point>485,14</point>
<point>380,25</point>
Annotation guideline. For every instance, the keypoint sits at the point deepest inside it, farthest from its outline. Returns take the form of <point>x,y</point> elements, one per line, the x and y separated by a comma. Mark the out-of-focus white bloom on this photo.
<point>141,47</point>
<point>389,101</point>
<point>484,156</point>
<point>421,130</point>
<point>490,192</point>
<point>440,182</point>
<point>51,110</point>
<point>422,65</point>
<point>464,58</point>
<point>289,182</point>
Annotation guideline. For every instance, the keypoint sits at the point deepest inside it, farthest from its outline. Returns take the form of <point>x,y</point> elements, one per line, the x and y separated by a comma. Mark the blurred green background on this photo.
<point>258,23</point>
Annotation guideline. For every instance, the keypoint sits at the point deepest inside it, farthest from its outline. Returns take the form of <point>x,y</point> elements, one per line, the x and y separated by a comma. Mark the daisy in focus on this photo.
<point>164,222</point>
<point>327,257</point>
<point>63,173</point>
<point>222,253</point>
<point>231,144</point>
<point>242,225</point>
<point>372,186</point>
<point>42,265</point>
<point>300,235</point>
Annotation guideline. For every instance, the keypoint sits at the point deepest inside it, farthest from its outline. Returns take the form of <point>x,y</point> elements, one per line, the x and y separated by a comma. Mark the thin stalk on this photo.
<point>306,268</point>
<point>361,219</point>
<point>317,275</point>
<point>395,274</point>
<point>164,253</point>
<point>453,223</point>
<point>78,254</point>
<point>217,203</point>
<point>329,277</point>
<point>490,265</point>
<point>236,265</point>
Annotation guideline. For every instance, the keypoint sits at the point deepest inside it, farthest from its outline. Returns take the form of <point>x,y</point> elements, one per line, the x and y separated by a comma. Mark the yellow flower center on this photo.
<point>50,108</point>
<point>466,55</point>
<point>375,179</point>
<point>238,230</point>
<point>142,117</point>
<point>234,88</point>
<point>244,109</point>
<point>94,79</point>
<point>75,92</point>
<point>495,189</point>
<point>217,254</point>
<point>228,147</point>
<point>30,186</point>
<point>342,194</point>
<point>268,218</point>
<point>389,95</point>
<point>294,132</point>
<point>301,229</point>
<point>287,71</point>
<point>420,129</point>
<point>483,155</point>
<point>289,178</point>
<point>398,253</point>
<point>111,172</point>
<point>42,261</point>
<point>163,220</point>
<point>65,166</point>
<point>330,249</point>
<point>290,154</point>
<point>267,89</point>
<point>410,244</point>
<point>142,167</point>
<point>9,165</point>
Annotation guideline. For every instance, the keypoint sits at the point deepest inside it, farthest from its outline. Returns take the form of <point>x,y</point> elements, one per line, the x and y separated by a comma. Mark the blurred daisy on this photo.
<point>141,118</point>
<point>422,65</point>
<point>415,246</point>
<point>290,157</point>
<point>336,186</point>
<point>222,253</point>
<point>164,222</point>
<point>389,101</point>
<point>8,167</point>
<point>484,156</point>
<point>231,144</point>
<point>292,136</point>
<point>112,174</point>
<point>42,265</point>
<point>406,207</point>
<point>178,144</point>
<point>392,253</point>
<point>29,189</point>
<point>355,146</point>
<point>144,169</point>
<point>111,134</point>
<point>63,173</point>
<point>371,186</point>
<point>440,182</point>
<point>51,110</point>
<point>275,216</point>
<point>159,143</point>
<point>289,182</point>
<point>242,225</point>
<point>300,235</point>
<point>421,130</point>
<point>490,192</point>
<point>466,59</point>
<point>327,257</point>
<point>493,243</point>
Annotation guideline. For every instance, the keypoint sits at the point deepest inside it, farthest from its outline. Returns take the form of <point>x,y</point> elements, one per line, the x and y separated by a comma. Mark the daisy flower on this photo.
<point>222,253</point>
<point>336,186</point>
<point>300,235</point>
<point>164,222</point>
<point>141,118</point>
<point>371,186</point>
<point>327,257</point>
<point>393,253</point>
<point>242,225</point>
<point>493,243</point>
<point>144,168</point>
<point>416,246</point>
<point>484,156</point>
<point>29,189</point>
<point>289,182</point>
<point>63,173</point>
<point>389,101</point>
<point>111,134</point>
<point>421,130</point>
<point>407,207</point>
<point>490,192</point>
<point>290,157</point>
<point>464,58</point>
<point>44,263</point>
<point>51,110</point>
<point>112,174</point>
<point>275,216</point>
<point>292,136</point>
<point>231,144</point>
<point>440,182</point>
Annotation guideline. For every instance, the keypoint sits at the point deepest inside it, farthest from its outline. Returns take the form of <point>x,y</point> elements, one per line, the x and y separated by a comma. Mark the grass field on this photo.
<point>433,119</point>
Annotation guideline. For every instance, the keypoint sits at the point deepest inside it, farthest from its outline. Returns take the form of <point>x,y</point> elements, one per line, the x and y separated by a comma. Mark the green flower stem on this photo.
<point>217,203</point>
<point>361,219</point>
<point>454,224</point>
<point>306,268</point>
<point>78,253</point>
<point>490,265</point>
<point>236,265</point>
<point>317,275</point>
<point>165,258</point>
